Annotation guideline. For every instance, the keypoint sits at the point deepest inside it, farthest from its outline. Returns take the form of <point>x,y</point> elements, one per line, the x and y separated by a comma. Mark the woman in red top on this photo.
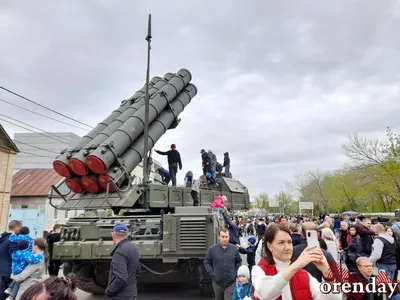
<point>275,277</point>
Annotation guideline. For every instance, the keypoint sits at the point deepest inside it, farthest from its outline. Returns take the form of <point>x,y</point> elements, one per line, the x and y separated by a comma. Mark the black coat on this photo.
<point>311,268</point>
<point>6,250</point>
<point>251,254</point>
<point>124,271</point>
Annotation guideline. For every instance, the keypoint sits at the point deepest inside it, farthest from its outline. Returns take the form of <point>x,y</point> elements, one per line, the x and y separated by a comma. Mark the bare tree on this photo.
<point>362,151</point>
<point>317,178</point>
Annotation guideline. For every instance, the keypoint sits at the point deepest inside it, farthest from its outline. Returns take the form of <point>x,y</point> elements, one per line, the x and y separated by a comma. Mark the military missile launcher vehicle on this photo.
<point>172,236</point>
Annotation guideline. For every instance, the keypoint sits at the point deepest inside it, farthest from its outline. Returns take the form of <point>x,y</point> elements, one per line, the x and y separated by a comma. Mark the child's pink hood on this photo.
<point>218,203</point>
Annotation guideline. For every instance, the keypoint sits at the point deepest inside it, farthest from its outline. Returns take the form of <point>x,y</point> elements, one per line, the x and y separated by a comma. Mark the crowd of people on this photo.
<point>281,264</point>
<point>24,262</point>
<point>209,164</point>
<point>23,265</point>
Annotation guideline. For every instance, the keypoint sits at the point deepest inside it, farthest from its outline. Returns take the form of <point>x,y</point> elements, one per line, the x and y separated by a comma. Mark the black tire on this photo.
<point>89,286</point>
<point>206,289</point>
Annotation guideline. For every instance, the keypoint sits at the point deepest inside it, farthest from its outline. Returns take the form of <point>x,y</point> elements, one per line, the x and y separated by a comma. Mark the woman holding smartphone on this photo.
<point>276,277</point>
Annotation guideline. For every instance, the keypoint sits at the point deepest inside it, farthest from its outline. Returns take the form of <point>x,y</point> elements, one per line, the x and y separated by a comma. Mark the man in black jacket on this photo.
<point>221,263</point>
<point>174,159</point>
<point>227,165</point>
<point>366,235</point>
<point>125,267</point>
<point>311,268</point>
<point>6,250</point>
<point>51,238</point>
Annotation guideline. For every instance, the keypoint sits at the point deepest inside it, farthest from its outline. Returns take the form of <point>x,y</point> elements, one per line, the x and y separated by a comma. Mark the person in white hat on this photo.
<point>243,286</point>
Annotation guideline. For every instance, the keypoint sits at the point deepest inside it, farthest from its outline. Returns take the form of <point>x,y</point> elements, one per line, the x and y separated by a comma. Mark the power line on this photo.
<point>35,127</point>
<point>35,147</point>
<point>33,131</point>
<point>43,106</point>
<point>38,155</point>
<point>2,100</point>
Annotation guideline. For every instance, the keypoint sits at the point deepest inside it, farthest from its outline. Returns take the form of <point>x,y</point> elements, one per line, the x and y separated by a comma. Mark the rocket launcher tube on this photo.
<point>134,154</point>
<point>91,184</point>
<point>78,162</point>
<point>61,165</point>
<point>75,185</point>
<point>102,158</point>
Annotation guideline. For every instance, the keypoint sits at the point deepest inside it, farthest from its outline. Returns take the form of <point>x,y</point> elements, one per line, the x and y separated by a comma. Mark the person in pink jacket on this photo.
<point>218,203</point>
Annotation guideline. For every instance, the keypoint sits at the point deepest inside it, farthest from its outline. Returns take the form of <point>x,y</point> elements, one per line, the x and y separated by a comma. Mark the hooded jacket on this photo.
<point>218,203</point>
<point>379,252</point>
<point>6,250</point>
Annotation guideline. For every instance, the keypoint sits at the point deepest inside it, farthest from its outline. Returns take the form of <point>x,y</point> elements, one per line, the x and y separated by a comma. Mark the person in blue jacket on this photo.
<point>165,175</point>
<point>250,252</point>
<point>243,286</point>
<point>232,227</point>
<point>20,259</point>
<point>189,179</point>
<point>23,235</point>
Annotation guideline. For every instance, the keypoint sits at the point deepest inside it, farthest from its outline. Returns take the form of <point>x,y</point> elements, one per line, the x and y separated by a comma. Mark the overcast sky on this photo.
<point>280,83</point>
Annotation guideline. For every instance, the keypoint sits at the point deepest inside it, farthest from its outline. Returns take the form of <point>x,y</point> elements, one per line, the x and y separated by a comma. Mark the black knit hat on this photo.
<point>23,244</point>
<point>24,230</point>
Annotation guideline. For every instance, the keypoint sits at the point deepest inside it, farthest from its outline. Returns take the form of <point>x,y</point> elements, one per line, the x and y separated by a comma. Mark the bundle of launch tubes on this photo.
<point>116,145</point>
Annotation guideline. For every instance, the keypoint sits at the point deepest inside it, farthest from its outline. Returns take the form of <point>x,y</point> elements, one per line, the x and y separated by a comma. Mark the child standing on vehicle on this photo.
<point>243,287</point>
<point>20,259</point>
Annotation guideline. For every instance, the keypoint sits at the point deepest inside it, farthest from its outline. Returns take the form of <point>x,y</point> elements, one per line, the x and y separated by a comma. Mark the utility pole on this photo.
<point>146,114</point>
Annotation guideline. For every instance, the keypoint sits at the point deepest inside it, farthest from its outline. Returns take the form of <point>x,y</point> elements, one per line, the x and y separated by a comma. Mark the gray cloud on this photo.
<point>280,84</point>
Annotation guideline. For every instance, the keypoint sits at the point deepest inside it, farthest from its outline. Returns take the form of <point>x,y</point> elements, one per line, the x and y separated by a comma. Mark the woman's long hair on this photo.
<point>61,288</point>
<point>269,237</point>
<point>42,245</point>
<point>56,288</point>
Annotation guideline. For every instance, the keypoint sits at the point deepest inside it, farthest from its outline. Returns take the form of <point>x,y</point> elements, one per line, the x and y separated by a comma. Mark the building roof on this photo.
<point>7,141</point>
<point>34,182</point>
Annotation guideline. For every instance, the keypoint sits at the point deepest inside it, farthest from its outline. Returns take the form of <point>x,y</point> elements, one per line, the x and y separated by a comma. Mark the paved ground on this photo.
<point>163,291</point>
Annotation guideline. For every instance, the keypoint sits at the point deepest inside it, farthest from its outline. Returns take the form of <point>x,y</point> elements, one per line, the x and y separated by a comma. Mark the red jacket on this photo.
<point>299,284</point>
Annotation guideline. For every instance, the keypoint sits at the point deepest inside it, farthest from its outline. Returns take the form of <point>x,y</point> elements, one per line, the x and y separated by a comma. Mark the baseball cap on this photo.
<point>122,228</point>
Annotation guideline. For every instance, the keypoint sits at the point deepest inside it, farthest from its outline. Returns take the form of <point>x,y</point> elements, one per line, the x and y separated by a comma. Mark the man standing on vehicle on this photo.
<point>174,159</point>
<point>222,262</point>
<point>125,267</point>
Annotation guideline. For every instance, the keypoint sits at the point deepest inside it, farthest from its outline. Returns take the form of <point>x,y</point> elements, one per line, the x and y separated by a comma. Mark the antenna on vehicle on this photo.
<point>146,116</point>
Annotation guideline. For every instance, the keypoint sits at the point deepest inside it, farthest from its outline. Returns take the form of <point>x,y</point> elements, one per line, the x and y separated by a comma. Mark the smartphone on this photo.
<point>312,238</point>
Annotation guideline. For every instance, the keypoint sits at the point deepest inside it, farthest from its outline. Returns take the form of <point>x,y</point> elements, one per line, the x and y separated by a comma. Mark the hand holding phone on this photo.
<point>312,238</point>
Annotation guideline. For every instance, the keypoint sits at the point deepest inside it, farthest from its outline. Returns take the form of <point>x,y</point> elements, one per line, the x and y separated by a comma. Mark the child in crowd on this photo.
<point>250,251</point>
<point>218,204</point>
<point>243,287</point>
<point>23,235</point>
<point>20,259</point>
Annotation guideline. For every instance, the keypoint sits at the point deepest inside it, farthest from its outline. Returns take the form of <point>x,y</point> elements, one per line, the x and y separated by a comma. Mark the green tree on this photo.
<point>379,162</point>
<point>344,192</point>
<point>287,204</point>
<point>261,201</point>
